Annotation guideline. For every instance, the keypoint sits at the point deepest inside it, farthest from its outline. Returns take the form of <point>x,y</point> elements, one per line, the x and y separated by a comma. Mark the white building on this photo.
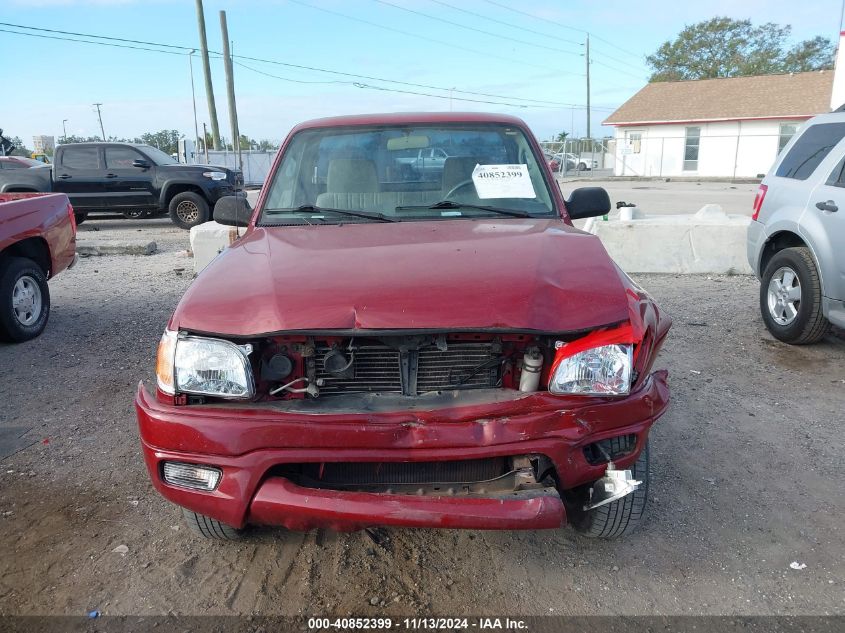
<point>43,144</point>
<point>719,128</point>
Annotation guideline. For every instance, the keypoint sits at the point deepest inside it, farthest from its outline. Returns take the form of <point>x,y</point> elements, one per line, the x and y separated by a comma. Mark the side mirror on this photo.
<point>588,202</point>
<point>140,162</point>
<point>232,211</point>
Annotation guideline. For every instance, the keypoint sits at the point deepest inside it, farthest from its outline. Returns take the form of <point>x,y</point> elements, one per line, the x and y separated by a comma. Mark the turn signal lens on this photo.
<point>164,362</point>
<point>191,476</point>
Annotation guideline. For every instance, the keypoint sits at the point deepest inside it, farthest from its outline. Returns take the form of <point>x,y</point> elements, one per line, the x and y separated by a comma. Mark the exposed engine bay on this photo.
<point>293,367</point>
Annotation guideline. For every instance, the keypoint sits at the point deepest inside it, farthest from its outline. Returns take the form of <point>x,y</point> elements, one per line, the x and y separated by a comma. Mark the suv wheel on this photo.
<point>791,297</point>
<point>211,528</point>
<point>616,518</point>
<point>188,209</point>
<point>24,300</point>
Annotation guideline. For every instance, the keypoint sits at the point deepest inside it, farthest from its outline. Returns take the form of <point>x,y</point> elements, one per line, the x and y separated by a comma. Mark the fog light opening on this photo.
<point>191,476</point>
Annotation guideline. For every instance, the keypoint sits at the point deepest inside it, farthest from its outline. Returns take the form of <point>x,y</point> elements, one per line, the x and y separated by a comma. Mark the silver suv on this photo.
<point>796,239</point>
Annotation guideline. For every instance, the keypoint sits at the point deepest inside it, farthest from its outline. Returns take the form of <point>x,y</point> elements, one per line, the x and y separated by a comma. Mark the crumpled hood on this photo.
<point>514,274</point>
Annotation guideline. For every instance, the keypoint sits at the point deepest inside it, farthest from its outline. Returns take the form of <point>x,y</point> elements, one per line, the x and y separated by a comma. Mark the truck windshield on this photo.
<point>157,156</point>
<point>407,173</point>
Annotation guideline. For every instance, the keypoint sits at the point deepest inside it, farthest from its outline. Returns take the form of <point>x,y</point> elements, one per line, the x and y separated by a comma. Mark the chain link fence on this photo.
<point>686,154</point>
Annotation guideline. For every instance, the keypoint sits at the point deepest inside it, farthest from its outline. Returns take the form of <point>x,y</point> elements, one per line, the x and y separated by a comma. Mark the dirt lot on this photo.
<point>747,479</point>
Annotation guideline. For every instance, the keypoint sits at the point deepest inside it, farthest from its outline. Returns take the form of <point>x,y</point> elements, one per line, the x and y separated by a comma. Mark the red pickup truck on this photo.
<point>37,241</point>
<point>382,348</point>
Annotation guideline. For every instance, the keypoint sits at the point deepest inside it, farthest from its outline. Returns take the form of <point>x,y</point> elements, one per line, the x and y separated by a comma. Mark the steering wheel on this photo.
<point>457,188</point>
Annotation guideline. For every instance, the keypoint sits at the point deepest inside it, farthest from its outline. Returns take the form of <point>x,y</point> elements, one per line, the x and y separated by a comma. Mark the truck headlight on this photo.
<point>214,175</point>
<point>203,366</point>
<point>598,371</point>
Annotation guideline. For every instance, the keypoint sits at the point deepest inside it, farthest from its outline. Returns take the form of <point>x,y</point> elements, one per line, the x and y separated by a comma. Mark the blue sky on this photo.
<point>48,80</point>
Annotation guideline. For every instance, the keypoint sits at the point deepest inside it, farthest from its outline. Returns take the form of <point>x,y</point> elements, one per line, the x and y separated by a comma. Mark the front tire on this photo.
<point>791,297</point>
<point>617,518</point>
<point>24,300</point>
<point>188,209</point>
<point>211,528</point>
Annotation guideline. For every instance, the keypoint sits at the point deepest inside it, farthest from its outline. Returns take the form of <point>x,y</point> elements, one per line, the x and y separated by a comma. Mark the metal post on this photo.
<point>205,141</point>
<point>588,85</point>
<point>194,100</point>
<point>206,67</point>
<point>100,116</point>
<point>230,89</point>
<point>662,143</point>
<point>64,130</point>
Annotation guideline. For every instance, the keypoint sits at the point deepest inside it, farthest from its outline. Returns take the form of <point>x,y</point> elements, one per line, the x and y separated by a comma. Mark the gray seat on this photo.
<point>457,169</point>
<point>351,175</point>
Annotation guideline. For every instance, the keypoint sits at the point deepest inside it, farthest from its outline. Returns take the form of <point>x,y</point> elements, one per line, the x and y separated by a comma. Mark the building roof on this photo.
<point>796,95</point>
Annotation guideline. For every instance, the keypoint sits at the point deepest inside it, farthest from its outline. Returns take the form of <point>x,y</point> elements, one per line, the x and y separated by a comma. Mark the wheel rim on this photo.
<point>187,211</point>
<point>26,300</point>
<point>784,296</point>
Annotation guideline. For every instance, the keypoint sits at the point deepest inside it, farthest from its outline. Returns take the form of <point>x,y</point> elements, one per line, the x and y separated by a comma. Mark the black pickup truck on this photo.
<point>136,180</point>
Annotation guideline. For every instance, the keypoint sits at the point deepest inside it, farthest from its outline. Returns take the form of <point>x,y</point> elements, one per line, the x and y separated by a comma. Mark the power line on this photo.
<point>286,64</point>
<point>526,29</point>
<point>560,24</point>
<point>507,24</point>
<point>483,32</point>
<point>114,42</point>
<point>451,45</point>
<point>358,84</point>
<point>68,39</point>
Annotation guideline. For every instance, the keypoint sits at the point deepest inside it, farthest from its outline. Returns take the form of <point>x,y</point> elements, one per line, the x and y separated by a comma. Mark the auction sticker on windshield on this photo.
<point>502,181</point>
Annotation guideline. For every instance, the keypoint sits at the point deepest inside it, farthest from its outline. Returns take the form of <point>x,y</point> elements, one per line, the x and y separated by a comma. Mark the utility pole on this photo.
<point>100,116</point>
<point>64,130</point>
<point>588,84</point>
<point>230,88</point>
<point>194,99</point>
<point>205,141</point>
<point>206,67</point>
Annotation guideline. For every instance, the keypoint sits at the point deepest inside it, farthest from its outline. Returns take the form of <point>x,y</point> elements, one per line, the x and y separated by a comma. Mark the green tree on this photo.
<point>723,47</point>
<point>165,140</point>
<point>72,138</point>
<point>20,148</point>
<point>561,137</point>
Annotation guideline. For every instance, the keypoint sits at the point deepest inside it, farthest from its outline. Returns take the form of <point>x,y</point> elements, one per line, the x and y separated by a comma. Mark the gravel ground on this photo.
<point>746,479</point>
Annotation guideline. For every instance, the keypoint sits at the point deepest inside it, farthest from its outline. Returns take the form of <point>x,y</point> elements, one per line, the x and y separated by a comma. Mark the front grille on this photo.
<point>456,368</point>
<point>398,473</point>
<point>382,369</point>
<point>377,368</point>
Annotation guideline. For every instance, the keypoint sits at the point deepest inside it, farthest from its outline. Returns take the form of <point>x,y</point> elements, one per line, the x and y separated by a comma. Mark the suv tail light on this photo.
<point>758,201</point>
<point>72,217</point>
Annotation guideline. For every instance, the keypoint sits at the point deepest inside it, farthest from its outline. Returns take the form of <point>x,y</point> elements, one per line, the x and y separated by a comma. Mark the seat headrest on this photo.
<point>351,175</point>
<point>457,169</point>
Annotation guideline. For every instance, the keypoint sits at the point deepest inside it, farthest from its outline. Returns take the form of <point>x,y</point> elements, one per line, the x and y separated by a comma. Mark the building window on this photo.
<point>787,131</point>
<point>693,137</point>
<point>634,141</point>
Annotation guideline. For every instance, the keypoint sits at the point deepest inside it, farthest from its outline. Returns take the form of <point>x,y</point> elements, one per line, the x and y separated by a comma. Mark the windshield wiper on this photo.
<point>450,204</point>
<point>311,208</point>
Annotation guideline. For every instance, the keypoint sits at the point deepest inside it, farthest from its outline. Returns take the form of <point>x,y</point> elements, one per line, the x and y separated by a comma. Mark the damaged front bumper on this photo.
<point>253,443</point>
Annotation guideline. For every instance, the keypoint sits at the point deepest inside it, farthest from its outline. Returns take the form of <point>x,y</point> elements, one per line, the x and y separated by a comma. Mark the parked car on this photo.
<point>423,162</point>
<point>135,180</point>
<point>796,238</point>
<point>553,161</point>
<point>573,162</point>
<point>449,354</point>
<point>37,242</point>
<point>19,162</point>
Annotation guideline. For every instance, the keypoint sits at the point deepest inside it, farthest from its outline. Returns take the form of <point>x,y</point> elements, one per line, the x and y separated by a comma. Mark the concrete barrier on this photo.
<point>208,239</point>
<point>100,248</point>
<point>709,241</point>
